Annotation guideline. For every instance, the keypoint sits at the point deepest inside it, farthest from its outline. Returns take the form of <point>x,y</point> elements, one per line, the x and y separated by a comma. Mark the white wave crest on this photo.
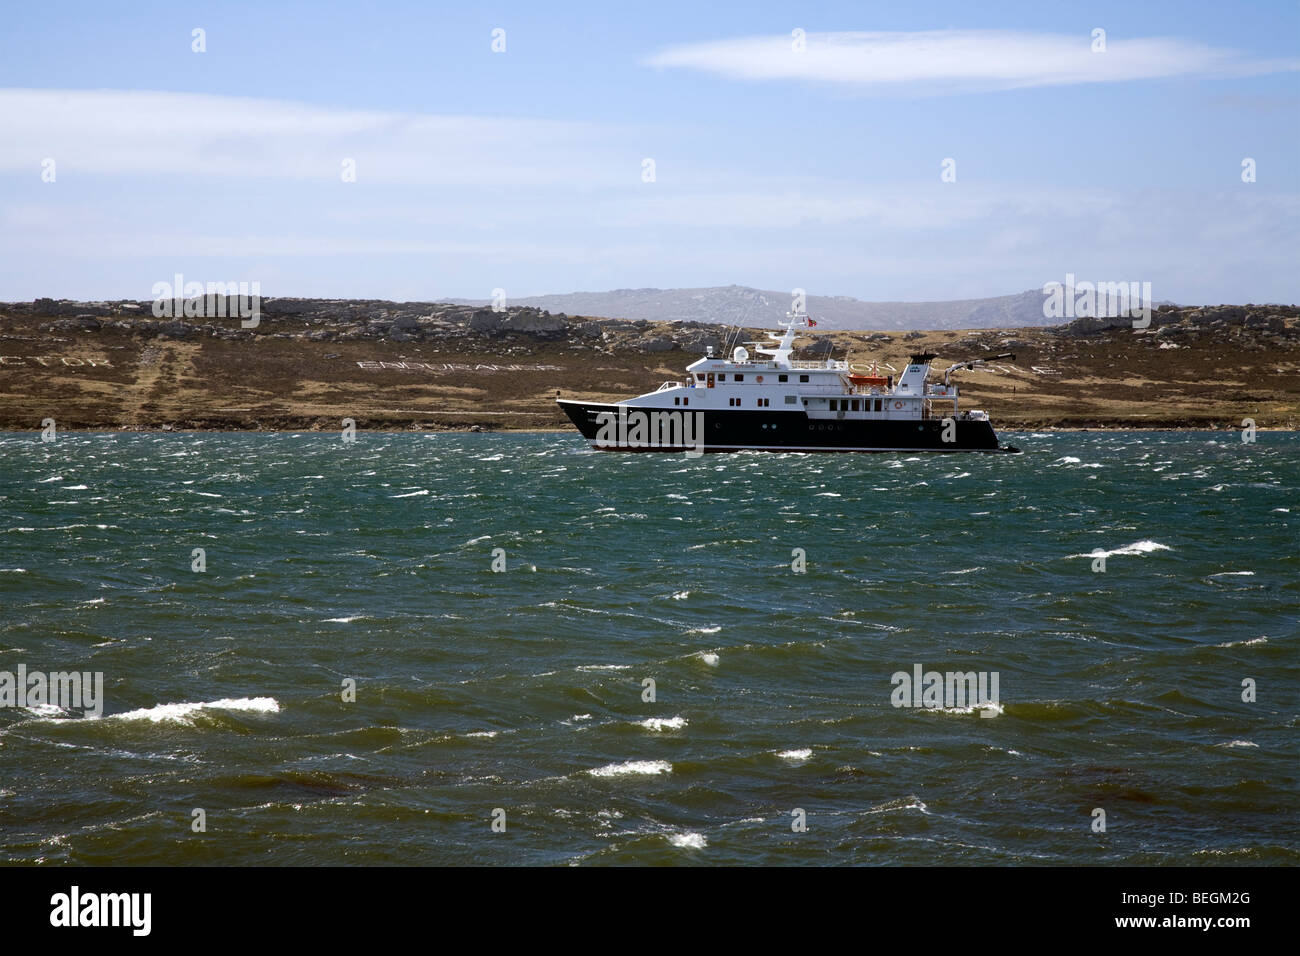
<point>45,710</point>
<point>658,724</point>
<point>1137,547</point>
<point>1253,640</point>
<point>688,841</point>
<point>994,710</point>
<point>796,756</point>
<point>185,711</point>
<point>633,768</point>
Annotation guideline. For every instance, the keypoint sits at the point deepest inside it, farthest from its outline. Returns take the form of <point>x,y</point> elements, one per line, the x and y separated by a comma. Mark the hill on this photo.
<point>740,305</point>
<point>312,362</point>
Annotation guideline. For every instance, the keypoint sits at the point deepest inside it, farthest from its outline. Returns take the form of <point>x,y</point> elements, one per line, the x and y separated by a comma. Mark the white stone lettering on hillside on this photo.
<point>454,367</point>
<point>55,361</point>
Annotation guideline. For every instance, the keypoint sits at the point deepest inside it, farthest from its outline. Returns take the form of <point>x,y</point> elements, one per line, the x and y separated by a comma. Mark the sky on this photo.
<point>882,151</point>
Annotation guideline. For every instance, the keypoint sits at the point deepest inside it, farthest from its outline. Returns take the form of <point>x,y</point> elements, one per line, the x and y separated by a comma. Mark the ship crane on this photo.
<point>975,363</point>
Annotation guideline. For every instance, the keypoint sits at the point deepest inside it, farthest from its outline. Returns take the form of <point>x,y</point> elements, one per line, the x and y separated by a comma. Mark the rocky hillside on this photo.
<point>311,362</point>
<point>732,305</point>
<point>351,320</point>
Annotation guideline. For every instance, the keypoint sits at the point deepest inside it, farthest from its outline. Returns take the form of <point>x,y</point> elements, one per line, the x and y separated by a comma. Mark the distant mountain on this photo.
<point>734,304</point>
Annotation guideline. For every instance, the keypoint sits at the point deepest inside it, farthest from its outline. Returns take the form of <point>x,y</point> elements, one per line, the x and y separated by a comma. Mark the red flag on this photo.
<point>812,322</point>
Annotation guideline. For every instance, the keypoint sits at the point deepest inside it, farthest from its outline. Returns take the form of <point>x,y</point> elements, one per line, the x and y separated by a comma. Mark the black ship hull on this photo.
<point>775,430</point>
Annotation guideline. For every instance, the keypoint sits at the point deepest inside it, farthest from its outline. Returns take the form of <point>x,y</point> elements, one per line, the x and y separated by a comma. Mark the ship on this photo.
<point>776,403</point>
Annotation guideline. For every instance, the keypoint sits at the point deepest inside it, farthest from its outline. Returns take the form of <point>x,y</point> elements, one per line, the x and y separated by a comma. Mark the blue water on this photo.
<point>522,691</point>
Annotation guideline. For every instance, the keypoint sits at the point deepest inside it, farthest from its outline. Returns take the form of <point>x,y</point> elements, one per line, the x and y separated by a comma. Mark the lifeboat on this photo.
<point>878,381</point>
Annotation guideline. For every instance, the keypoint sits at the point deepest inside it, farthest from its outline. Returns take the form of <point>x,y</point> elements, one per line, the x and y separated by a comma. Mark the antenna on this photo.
<point>726,342</point>
<point>735,331</point>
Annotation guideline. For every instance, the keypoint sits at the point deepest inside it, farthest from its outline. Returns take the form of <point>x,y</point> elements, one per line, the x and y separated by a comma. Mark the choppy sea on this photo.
<point>508,649</point>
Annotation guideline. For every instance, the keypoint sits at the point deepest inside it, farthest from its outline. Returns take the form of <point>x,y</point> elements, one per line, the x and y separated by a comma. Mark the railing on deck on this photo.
<point>936,414</point>
<point>821,365</point>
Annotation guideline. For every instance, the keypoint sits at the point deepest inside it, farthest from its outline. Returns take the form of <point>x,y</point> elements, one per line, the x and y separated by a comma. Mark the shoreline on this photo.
<point>162,430</point>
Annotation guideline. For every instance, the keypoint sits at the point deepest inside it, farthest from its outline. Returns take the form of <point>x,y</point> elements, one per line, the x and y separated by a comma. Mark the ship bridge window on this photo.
<point>722,376</point>
<point>699,376</point>
<point>783,378</point>
<point>803,378</point>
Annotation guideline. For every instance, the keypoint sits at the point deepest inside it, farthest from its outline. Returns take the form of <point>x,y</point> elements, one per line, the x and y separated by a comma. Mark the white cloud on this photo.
<point>959,60</point>
<point>122,132</point>
<point>899,208</point>
<point>125,246</point>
